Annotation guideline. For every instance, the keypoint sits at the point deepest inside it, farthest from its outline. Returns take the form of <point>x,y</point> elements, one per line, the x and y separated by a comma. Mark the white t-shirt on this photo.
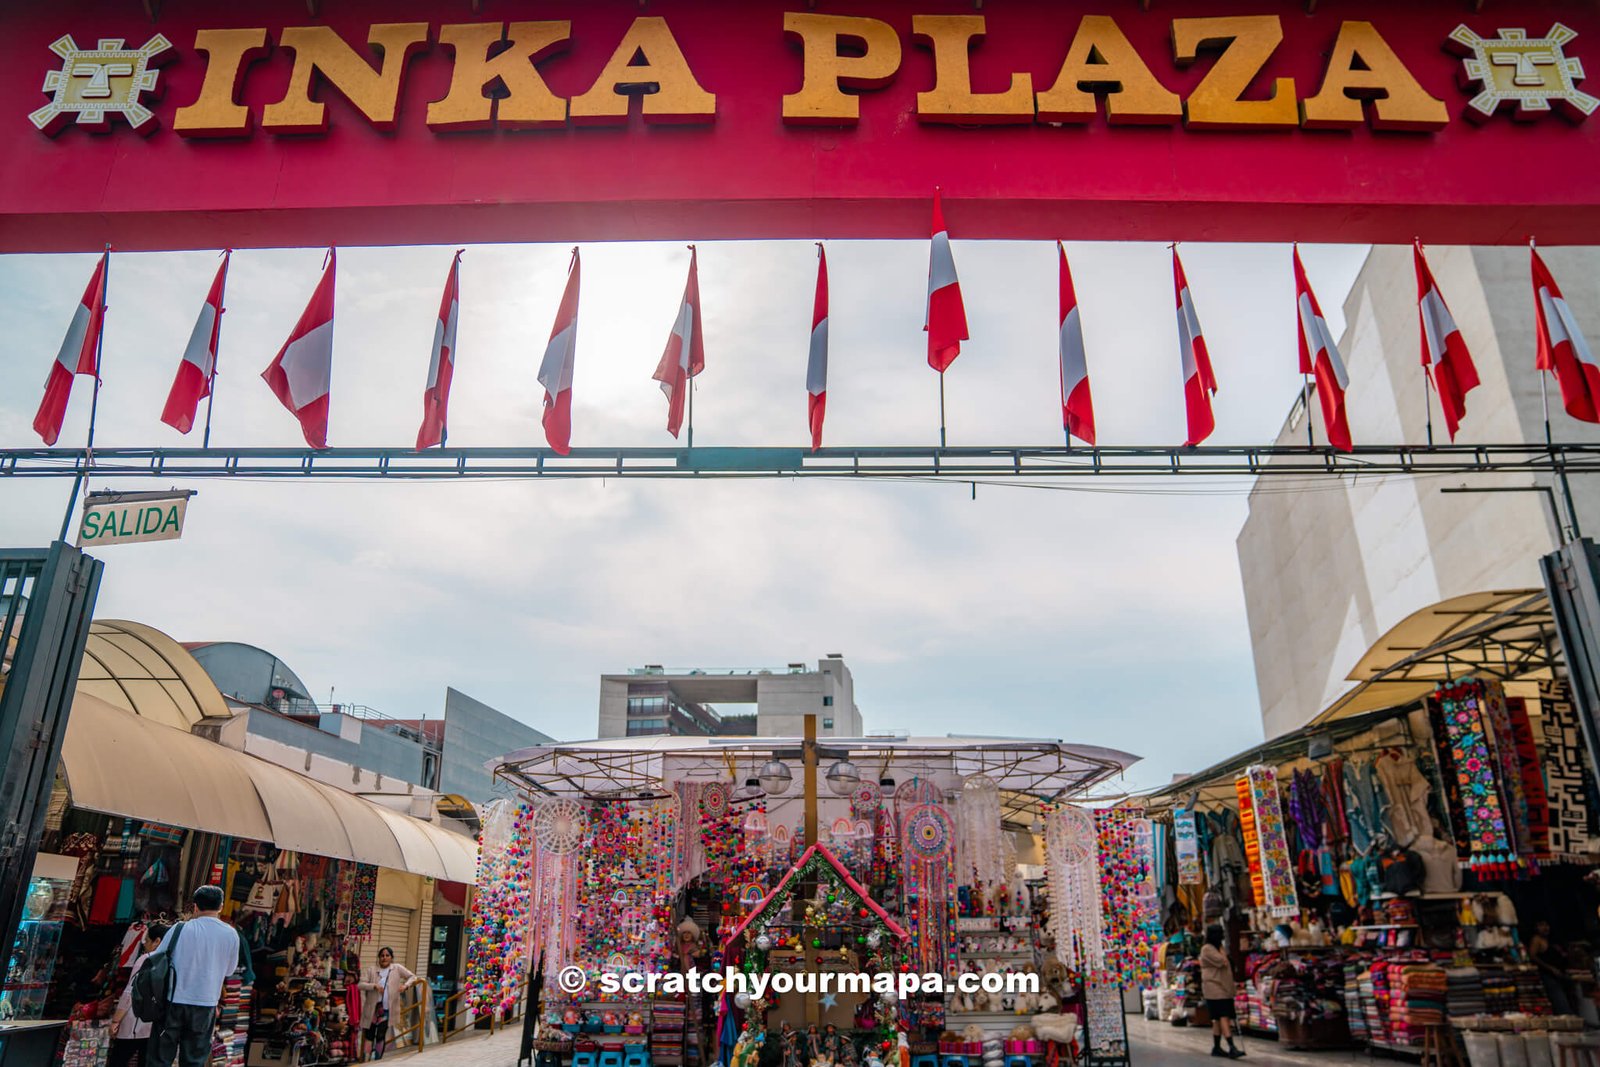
<point>383,983</point>
<point>207,953</point>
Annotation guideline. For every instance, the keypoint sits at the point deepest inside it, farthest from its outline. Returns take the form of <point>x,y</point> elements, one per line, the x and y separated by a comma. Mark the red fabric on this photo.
<point>313,416</point>
<point>1532,775</point>
<point>1319,364</point>
<point>192,384</point>
<point>436,396</point>
<point>1579,381</point>
<point>1454,374</point>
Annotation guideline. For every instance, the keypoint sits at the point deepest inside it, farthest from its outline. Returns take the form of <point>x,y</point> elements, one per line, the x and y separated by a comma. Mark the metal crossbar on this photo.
<point>913,462</point>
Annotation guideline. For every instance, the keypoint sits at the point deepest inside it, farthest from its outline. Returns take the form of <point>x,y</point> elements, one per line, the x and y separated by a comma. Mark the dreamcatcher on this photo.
<point>1073,869</point>
<point>979,858</point>
<point>558,826</point>
<point>928,843</point>
<point>865,800</point>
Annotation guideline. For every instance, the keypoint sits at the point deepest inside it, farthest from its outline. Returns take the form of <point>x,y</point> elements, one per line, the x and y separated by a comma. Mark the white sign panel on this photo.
<point>131,517</point>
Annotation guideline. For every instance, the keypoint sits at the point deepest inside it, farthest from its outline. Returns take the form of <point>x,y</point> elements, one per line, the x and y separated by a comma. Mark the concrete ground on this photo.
<point>1154,1045</point>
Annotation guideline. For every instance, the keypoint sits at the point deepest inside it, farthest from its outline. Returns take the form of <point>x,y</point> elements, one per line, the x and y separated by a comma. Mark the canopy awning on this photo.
<point>123,764</point>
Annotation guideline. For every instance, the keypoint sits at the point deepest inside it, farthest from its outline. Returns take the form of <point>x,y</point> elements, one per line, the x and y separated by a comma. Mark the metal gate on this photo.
<point>1572,576</point>
<point>46,602</point>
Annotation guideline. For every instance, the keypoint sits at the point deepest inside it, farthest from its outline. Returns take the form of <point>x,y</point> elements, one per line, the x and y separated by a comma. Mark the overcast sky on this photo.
<point>1095,611</point>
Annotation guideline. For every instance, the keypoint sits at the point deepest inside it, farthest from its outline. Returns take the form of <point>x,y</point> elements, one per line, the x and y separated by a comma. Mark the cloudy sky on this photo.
<point>1105,612</point>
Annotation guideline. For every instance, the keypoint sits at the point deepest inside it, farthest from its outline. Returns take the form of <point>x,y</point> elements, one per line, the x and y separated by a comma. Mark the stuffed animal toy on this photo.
<point>1062,1029</point>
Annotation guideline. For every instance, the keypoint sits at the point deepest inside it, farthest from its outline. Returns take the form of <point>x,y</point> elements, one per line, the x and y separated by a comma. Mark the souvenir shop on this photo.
<point>1384,879</point>
<point>310,922</point>
<point>930,855</point>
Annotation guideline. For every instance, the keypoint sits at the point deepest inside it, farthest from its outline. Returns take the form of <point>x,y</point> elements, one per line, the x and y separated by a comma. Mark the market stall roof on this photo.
<point>142,670</point>
<point>125,764</point>
<point>1029,772</point>
<point>1292,745</point>
<point>1506,634</point>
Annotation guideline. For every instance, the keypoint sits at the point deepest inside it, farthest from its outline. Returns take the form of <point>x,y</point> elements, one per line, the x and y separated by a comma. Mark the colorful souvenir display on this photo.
<point>980,861</point>
<point>1467,754</point>
<point>1131,928</point>
<point>498,926</point>
<point>928,846</point>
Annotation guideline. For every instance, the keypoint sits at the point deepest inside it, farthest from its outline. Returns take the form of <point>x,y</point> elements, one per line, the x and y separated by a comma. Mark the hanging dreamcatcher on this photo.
<point>865,800</point>
<point>981,860</point>
<point>1074,873</point>
<point>558,826</point>
<point>928,845</point>
<point>714,800</point>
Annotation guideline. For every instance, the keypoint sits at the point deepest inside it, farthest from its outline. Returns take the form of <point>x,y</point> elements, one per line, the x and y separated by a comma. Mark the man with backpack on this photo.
<point>201,953</point>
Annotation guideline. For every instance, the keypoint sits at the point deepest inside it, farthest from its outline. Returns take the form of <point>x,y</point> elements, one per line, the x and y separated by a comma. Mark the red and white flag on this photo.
<point>1077,406</point>
<point>817,364</point>
<point>555,370</point>
<point>300,375</point>
<point>1199,380</point>
<point>685,355</point>
<point>1562,347</point>
<point>442,366</point>
<point>945,318</point>
<point>1319,357</point>
<point>79,355</point>
<point>198,367</point>
<point>1444,351</point>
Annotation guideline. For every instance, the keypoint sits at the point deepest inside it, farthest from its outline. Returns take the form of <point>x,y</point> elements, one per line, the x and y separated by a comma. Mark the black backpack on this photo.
<point>154,982</point>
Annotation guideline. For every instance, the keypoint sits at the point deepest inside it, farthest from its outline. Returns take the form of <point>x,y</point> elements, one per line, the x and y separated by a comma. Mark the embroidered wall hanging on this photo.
<point>1187,843</point>
<point>1277,867</point>
<point>1467,746</point>
<point>1566,775</point>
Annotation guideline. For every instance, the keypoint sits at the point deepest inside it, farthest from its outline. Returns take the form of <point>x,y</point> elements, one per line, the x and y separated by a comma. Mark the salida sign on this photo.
<point>410,122</point>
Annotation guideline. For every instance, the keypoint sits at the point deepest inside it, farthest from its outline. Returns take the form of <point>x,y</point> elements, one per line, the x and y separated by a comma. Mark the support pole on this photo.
<point>941,410</point>
<point>808,753</point>
<point>1427,403</point>
<point>1310,439</point>
<point>211,384</point>
<point>691,412</point>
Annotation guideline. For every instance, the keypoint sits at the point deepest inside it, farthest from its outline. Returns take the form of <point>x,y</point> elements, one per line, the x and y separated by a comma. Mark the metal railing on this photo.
<point>455,1006</point>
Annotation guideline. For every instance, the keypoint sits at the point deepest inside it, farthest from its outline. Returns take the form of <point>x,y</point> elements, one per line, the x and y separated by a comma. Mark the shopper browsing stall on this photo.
<point>1217,987</point>
<point>130,1036</point>
<point>205,951</point>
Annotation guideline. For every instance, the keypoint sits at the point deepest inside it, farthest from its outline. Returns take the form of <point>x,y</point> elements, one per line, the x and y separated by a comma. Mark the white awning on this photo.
<point>124,764</point>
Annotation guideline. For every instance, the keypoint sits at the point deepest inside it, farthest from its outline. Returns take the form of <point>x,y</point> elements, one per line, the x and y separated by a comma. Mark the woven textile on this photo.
<point>1187,842</point>
<point>1277,866</point>
<point>1566,776</point>
<point>1468,746</point>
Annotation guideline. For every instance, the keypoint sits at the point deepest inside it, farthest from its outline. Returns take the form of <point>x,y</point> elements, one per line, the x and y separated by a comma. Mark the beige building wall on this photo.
<point>1331,566</point>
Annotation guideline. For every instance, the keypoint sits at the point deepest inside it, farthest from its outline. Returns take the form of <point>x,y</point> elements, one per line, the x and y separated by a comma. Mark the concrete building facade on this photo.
<point>654,700</point>
<point>1328,570</point>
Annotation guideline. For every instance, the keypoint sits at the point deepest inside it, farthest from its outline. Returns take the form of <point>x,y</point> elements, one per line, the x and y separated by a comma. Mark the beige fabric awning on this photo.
<point>123,764</point>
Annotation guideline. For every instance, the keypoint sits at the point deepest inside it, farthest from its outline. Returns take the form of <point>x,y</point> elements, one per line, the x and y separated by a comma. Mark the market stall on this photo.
<point>948,856</point>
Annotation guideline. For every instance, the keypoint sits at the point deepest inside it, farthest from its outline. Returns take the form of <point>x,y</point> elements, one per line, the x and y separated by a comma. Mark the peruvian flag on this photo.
<point>300,374</point>
<point>685,355</point>
<point>198,367</point>
<point>1562,347</point>
<point>1077,406</point>
<point>555,370</point>
<point>945,319</point>
<point>442,367</point>
<point>1199,381</point>
<point>817,365</point>
<point>1444,352</point>
<point>79,355</point>
<point>1319,357</point>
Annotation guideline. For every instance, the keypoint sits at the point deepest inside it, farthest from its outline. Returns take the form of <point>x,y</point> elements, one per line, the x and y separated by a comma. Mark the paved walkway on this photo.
<point>1154,1045</point>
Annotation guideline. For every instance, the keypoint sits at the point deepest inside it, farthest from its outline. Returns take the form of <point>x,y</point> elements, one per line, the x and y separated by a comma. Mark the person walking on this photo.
<point>205,951</point>
<point>129,1036</point>
<point>1217,987</point>
<point>381,988</point>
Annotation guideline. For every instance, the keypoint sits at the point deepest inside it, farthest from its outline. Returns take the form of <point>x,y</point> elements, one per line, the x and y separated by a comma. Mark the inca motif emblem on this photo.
<point>1532,73</point>
<point>96,83</point>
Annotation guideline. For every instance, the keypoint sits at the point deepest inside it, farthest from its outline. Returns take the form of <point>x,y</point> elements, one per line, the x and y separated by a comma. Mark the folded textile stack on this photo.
<point>666,1031</point>
<point>1353,1002</point>
<point>1378,1022</point>
<point>1531,997</point>
<point>1424,986</point>
<point>1499,990</point>
<point>1464,992</point>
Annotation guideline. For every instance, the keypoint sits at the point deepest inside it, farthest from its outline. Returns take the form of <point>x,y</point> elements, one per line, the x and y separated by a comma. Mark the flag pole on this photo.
<point>211,386</point>
<point>94,402</point>
<point>1427,404</point>
<point>691,412</point>
<point>1311,440</point>
<point>1544,392</point>
<point>941,410</point>
<point>689,355</point>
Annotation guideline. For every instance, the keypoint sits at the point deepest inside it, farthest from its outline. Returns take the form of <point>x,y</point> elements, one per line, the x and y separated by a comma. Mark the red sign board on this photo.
<point>258,123</point>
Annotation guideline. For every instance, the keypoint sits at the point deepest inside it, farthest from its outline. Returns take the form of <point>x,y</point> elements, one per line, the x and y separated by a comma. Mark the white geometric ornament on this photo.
<point>1533,73</point>
<point>95,83</point>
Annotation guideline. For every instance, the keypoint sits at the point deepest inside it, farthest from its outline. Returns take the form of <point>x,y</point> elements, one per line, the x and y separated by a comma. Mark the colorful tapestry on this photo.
<point>1072,855</point>
<point>1532,777</point>
<point>1252,843</point>
<point>1131,927</point>
<point>1504,745</point>
<point>1568,785</point>
<point>1277,866</point>
<point>1187,841</point>
<point>1468,745</point>
<point>363,900</point>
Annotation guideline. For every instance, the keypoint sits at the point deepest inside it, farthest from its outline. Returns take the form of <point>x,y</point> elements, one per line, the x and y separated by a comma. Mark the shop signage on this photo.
<point>409,120</point>
<point>126,518</point>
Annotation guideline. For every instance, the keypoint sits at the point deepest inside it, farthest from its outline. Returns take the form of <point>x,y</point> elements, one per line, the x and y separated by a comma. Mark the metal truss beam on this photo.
<point>957,464</point>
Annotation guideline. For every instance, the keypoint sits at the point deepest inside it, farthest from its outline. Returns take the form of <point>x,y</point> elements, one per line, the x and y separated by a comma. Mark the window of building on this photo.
<point>646,705</point>
<point>827,724</point>
<point>637,727</point>
<point>827,702</point>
